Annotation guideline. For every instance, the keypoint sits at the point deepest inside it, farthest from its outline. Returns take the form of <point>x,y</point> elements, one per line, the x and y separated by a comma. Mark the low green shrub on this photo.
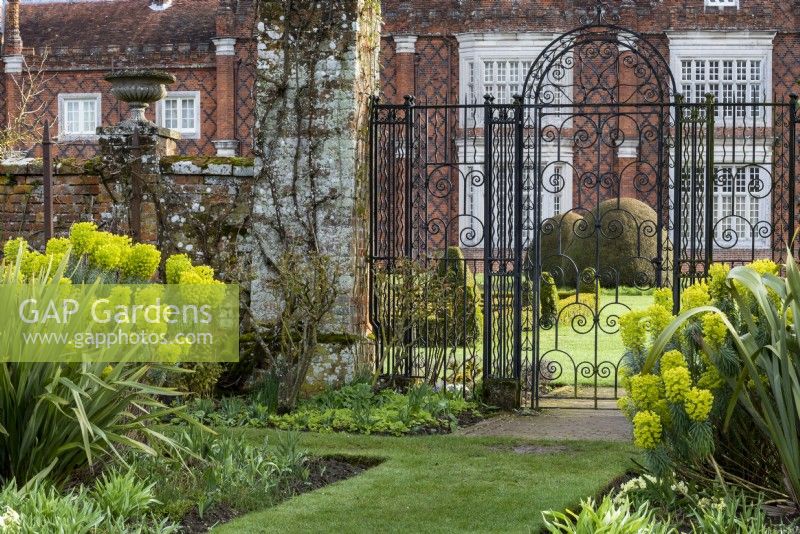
<point>699,506</point>
<point>670,505</point>
<point>122,494</point>
<point>564,293</point>
<point>225,471</point>
<point>459,316</point>
<point>608,516</point>
<point>359,409</point>
<point>158,493</point>
<point>577,310</point>
<point>354,408</point>
<point>202,380</point>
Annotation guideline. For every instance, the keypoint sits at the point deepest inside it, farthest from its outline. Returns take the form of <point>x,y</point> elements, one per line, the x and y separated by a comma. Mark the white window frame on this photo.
<point>730,219</point>
<point>741,158</point>
<point>733,45</point>
<point>186,133</point>
<point>63,100</point>
<point>471,196</point>
<point>723,46</point>
<point>721,3</point>
<point>476,49</point>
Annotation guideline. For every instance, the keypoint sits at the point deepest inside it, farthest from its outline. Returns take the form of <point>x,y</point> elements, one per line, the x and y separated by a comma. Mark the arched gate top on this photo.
<point>600,62</point>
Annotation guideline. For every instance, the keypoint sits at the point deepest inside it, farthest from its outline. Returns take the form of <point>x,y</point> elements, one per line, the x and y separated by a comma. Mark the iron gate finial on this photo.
<point>602,13</point>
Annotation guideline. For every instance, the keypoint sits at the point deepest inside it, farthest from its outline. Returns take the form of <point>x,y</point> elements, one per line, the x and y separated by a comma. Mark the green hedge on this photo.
<point>626,245</point>
<point>459,318</point>
<point>548,298</point>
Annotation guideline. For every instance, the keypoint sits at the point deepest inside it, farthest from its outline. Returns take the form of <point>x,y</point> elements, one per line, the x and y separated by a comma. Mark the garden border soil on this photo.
<point>323,471</point>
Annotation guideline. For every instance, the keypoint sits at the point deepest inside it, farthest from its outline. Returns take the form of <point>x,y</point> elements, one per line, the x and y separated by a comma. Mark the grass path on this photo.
<point>442,484</point>
<point>572,348</point>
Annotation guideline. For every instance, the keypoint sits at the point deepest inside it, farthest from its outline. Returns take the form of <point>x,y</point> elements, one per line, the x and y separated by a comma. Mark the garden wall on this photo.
<point>312,94</point>
<point>200,206</point>
<point>203,209</point>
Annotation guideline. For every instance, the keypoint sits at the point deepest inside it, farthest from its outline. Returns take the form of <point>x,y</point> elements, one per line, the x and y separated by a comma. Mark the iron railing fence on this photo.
<point>475,207</point>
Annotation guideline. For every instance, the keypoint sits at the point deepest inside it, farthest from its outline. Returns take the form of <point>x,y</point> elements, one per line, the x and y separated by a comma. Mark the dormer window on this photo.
<point>160,5</point>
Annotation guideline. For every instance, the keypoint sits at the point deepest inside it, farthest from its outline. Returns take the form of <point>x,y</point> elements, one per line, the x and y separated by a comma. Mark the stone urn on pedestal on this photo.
<point>139,88</point>
<point>132,149</point>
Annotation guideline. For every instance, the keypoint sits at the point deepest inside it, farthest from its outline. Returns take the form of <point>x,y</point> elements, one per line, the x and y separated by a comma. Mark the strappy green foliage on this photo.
<point>57,417</point>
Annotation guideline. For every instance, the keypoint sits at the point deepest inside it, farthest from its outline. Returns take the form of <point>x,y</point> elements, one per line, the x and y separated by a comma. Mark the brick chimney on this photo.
<point>225,44</point>
<point>12,38</point>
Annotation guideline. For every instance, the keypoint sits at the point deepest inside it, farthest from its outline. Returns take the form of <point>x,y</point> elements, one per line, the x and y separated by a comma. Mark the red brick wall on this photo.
<point>77,196</point>
<point>437,21</point>
<point>244,98</point>
<point>69,71</point>
<point>445,17</point>
<point>207,206</point>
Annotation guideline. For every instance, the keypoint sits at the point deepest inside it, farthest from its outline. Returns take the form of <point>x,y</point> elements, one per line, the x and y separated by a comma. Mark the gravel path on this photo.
<point>556,424</point>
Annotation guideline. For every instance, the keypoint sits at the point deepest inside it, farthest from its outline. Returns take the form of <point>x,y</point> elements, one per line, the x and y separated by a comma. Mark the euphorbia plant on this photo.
<point>57,416</point>
<point>768,384</point>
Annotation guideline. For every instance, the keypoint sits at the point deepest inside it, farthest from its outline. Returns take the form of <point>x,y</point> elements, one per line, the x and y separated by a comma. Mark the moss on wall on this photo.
<point>203,162</point>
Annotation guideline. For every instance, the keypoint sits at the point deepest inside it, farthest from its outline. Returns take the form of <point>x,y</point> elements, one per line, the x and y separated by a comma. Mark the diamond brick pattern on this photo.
<point>419,204</point>
<point>178,40</point>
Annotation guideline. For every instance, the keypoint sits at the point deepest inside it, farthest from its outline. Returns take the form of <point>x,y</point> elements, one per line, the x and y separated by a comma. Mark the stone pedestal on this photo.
<point>503,393</point>
<point>131,152</point>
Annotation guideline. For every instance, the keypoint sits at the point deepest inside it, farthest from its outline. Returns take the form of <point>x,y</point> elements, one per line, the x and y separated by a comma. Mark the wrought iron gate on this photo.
<point>509,237</point>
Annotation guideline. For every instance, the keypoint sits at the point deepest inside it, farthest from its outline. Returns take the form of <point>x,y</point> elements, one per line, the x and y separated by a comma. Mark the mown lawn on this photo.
<point>441,484</point>
<point>572,345</point>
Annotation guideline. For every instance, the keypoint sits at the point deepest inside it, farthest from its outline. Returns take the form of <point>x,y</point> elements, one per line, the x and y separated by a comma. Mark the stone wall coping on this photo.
<point>208,166</point>
<point>146,128</point>
<point>238,167</point>
<point>22,166</point>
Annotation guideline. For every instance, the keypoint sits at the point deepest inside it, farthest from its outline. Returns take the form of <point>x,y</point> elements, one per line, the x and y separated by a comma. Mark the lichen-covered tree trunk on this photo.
<point>317,69</point>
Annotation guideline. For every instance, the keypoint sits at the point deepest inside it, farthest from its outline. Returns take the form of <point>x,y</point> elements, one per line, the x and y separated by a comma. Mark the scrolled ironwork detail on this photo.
<point>599,178</point>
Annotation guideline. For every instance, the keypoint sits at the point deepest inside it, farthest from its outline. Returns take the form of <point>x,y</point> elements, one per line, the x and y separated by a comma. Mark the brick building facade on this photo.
<point>453,52</point>
<point>422,38</point>
<point>208,45</point>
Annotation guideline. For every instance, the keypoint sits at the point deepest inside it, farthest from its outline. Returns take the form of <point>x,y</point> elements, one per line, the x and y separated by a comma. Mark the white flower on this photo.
<point>680,487</point>
<point>11,515</point>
